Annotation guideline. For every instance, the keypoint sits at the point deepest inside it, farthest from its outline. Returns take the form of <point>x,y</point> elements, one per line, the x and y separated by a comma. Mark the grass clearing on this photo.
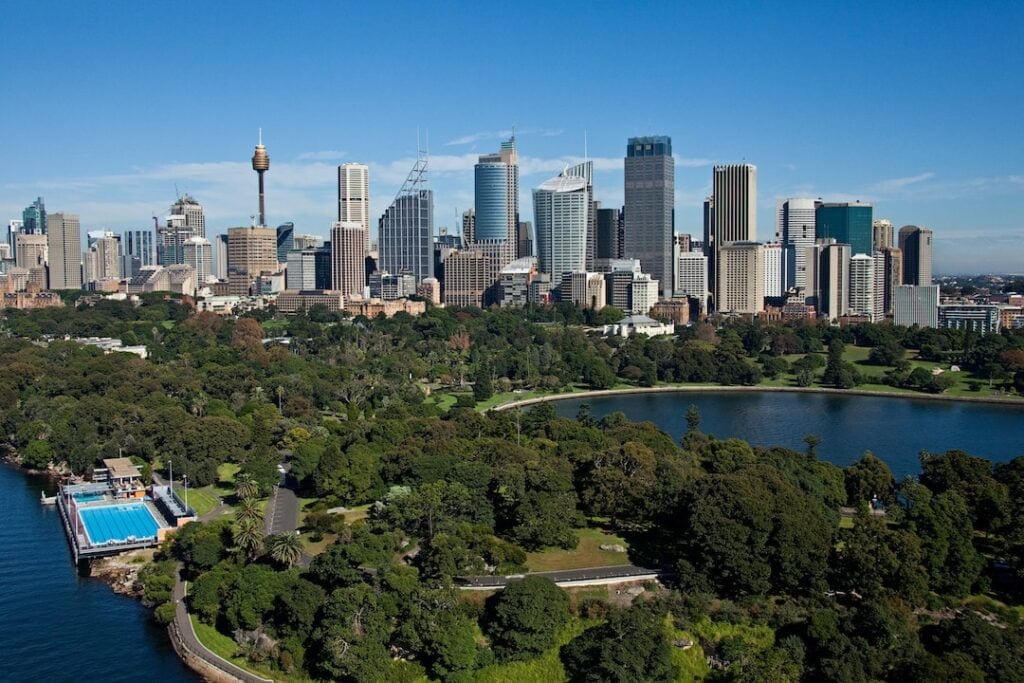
<point>587,553</point>
<point>317,547</point>
<point>203,500</point>
<point>546,667</point>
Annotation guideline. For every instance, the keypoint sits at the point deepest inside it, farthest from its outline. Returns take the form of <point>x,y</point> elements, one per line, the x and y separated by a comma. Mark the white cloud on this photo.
<point>897,184</point>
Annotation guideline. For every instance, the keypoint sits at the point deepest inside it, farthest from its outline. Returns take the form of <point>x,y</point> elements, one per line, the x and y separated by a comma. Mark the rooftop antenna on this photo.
<point>584,144</point>
<point>261,135</point>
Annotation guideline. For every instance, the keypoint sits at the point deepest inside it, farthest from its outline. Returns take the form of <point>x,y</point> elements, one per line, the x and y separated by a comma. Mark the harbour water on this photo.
<point>894,429</point>
<point>56,625</point>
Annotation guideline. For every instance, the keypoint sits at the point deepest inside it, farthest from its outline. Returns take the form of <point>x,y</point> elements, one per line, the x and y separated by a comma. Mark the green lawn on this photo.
<point>203,500</point>
<point>586,554</point>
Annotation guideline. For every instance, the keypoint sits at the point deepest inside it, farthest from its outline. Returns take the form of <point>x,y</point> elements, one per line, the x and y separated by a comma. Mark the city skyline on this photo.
<point>916,146</point>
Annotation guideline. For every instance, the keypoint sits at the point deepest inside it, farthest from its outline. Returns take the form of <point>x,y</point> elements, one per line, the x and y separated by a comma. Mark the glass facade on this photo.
<point>285,240</point>
<point>491,201</point>
<point>846,224</point>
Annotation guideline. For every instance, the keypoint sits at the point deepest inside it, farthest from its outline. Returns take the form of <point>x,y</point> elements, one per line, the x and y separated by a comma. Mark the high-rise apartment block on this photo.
<point>888,276</point>
<point>831,278</point>
<point>348,270</point>
<point>774,269</point>
<point>64,247</point>
<point>733,208</point>
<point>740,277</point>
<point>917,305</point>
<point>101,262</point>
<point>466,278</point>
<point>650,206</point>
<point>881,234</point>
<point>692,277</point>
<point>846,223</point>
<point>354,196</point>
<point>916,245</point>
<point>863,301</point>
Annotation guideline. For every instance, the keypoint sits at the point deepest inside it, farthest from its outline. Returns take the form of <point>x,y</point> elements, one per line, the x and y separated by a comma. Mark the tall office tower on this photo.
<point>220,256</point>
<point>354,197</point>
<point>496,205</point>
<point>468,226</point>
<point>301,273</point>
<point>585,172</point>
<point>682,242</point>
<point>33,218</point>
<point>252,251</point>
<point>261,164</point>
<point>466,278</point>
<point>692,277</point>
<point>561,208</point>
<point>916,245</point>
<point>301,242</point>
<point>608,233</point>
<point>709,225</point>
<point>524,240</point>
<point>583,289</point>
<point>14,227</point>
<point>322,267</point>
<point>198,253</point>
<point>30,250</point>
<point>774,273</point>
<point>64,243</point>
<point>846,223</point>
<point>348,267</point>
<point>740,277</point>
<point>889,273</point>
<point>863,301</point>
<point>734,207</point>
<point>917,305</point>
<point>881,234</point>
<point>194,220</point>
<point>650,193</point>
<point>171,240</point>
<point>102,260</point>
<point>406,230</point>
<point>285,240</point>
<point>139,245</point>
<point>796,230</point>
<point>832,278</point>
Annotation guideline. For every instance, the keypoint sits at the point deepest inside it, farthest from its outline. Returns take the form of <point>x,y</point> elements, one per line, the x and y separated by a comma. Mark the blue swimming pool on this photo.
<point>88,497</point>
<point>118,523</point>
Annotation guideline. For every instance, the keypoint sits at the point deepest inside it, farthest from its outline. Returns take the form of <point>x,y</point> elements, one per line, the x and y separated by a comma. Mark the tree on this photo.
<point>285,548</point>
<point>483,384</point>
<point>248,510</point>
<point>246,486</point>
<point>812,441</point>
<point>692,419</point>
<point>867,478</point>
<point>524,618</point>
<point>248,536</point>
<point>631,646</point>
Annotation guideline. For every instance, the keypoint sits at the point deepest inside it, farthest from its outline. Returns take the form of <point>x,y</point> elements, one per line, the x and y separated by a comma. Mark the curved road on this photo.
<point>569,577</point>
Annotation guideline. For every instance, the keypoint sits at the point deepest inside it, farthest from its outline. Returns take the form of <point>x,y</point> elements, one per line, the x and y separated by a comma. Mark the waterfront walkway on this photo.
<point>187,645</point>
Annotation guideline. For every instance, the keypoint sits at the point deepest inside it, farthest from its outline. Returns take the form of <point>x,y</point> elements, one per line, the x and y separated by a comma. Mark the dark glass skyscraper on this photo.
<point>608,233</point>
<point>846,223</point>
<point>285,240</point>
<point>650,203</point>
<point>33,218</point>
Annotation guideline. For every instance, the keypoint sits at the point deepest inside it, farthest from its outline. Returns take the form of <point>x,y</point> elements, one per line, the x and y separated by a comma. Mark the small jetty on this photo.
<point>116,512</point>
<point>47,500</point>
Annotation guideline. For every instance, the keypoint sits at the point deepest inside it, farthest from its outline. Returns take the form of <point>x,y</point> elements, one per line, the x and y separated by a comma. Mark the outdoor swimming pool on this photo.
<point>88,497</point>
<point>118,523</point>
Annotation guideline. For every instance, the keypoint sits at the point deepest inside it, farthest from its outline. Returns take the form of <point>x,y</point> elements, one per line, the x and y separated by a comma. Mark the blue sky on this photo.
<point>914,106</point>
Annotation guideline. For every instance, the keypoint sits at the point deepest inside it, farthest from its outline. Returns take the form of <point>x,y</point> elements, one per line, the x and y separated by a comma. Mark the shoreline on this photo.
<point>703,388</point>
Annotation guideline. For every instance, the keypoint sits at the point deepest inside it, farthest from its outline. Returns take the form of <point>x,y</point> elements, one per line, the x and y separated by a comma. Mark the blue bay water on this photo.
<point>894,429</point>
<point>57,626</point>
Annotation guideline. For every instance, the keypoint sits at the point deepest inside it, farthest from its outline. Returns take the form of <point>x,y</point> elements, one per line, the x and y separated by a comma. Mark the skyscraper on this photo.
<point>33,218</point>
<point>220,256</point>
<point>466,278</point>
<point>846,223</point>
<point>774,264</point>
<point>496,205</point>
<point>740,277</point>
<point>102,260</point>
<point>354,197</point>
<point>608,233</point>
<point>348,245</point>
<point>252,251</point>
<point>650,187</point>
<point>184,220</point>
<point>888,276</point>
<point>917,305</point>
<point>285,240</point>
<point>138,246</point>
<point>863,301</point>
<point>692,277</point>
<point>198,253</point>
<point>30,250</point>
<point>916,245</point>
<point>881,233</point>
<point>562,207</point>
<point>64,242</point>
<point>524,240</point>
<point>406,230</point>
<point>301,273</point>
<point>192,210</point>
<point>734,216</point>
<point>796,230</point>
<point>831,278</point>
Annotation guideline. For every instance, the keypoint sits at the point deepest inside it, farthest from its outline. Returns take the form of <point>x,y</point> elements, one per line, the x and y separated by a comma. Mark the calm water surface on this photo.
<point>55,625</point>
<point>894,429</point>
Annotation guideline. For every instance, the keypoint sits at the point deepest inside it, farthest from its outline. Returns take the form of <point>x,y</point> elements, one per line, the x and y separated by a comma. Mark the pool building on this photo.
<point>116,512</point>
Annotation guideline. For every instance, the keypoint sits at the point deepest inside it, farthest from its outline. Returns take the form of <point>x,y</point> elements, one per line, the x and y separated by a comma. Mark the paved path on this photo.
<point>282,513</point>
<point>590,576</point>
<point>183,630</point>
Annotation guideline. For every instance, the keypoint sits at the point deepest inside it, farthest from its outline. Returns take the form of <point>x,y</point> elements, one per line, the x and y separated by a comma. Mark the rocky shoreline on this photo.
<point>121,572</point>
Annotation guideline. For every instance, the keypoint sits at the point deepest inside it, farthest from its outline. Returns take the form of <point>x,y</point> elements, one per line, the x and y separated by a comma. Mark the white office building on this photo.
<point>917,305</point>
<point>692,277</point>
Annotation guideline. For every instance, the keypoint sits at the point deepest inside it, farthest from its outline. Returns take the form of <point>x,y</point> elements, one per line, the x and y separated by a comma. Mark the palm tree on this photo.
<point>248,536</point>
<point>285,548</point>
<point>248,510</point>
<point>246,486</point>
